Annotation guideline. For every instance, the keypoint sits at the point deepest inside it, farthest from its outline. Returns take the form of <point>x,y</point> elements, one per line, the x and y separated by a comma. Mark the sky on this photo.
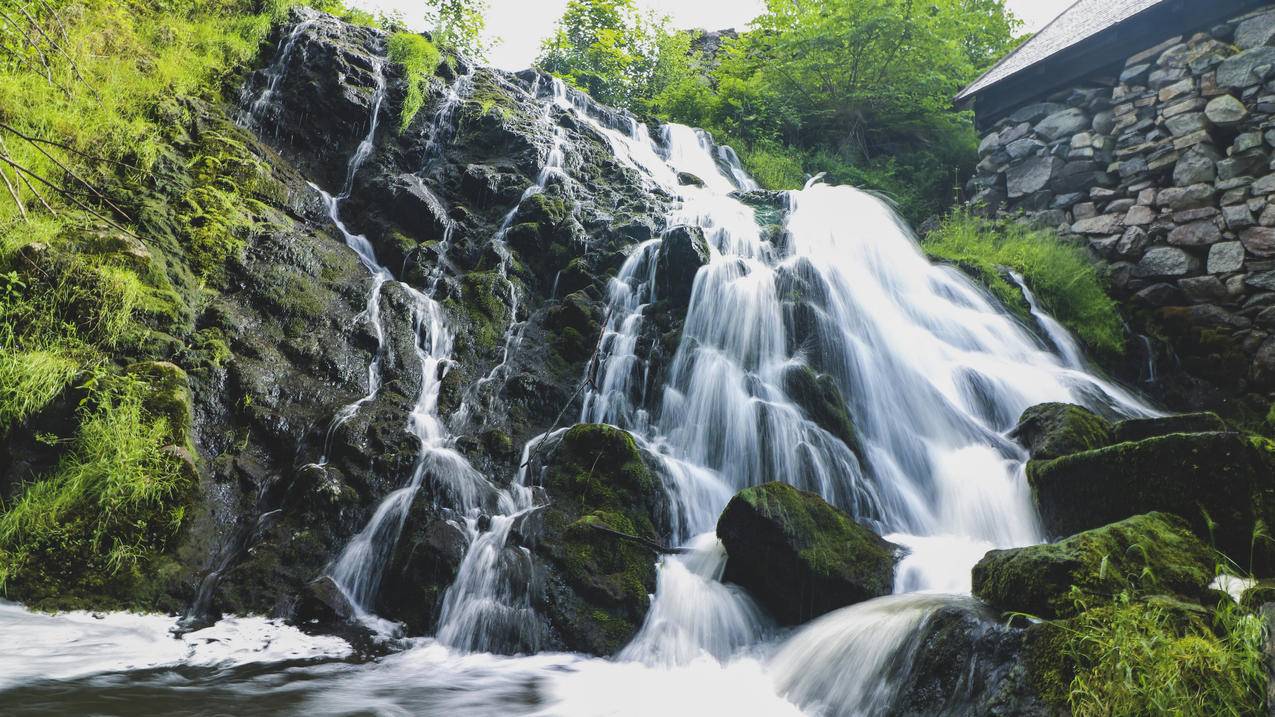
<point>522,24</point>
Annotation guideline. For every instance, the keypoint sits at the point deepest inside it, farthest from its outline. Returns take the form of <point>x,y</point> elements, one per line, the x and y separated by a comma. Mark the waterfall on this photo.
<point>253,111</point>
<point>358,568</point>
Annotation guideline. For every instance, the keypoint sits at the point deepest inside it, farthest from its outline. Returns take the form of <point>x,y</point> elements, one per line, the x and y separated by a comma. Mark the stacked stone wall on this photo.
<point>1165,168</point>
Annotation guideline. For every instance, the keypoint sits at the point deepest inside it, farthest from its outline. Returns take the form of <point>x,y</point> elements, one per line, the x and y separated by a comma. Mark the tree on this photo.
<point>458,25</point>
<point>607,48</point>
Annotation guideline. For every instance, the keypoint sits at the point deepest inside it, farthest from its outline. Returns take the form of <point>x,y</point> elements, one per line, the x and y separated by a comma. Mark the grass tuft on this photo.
<point>1063,277</point>
<point>418,58</point>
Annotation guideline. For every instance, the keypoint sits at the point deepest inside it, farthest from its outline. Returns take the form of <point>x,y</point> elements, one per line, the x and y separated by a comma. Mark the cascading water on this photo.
<point>932,371</point>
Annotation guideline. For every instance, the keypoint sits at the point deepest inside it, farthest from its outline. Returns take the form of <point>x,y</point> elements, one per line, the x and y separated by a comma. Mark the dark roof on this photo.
<point>1082,20</point>
<point>1089,38</point>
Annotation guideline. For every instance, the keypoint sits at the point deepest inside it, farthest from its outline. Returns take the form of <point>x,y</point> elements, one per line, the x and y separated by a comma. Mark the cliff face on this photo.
<point>457,207</point>
<point>1163,167</point>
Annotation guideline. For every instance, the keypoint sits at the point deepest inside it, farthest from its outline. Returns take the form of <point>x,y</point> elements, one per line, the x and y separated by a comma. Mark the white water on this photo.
<point>933,373</point>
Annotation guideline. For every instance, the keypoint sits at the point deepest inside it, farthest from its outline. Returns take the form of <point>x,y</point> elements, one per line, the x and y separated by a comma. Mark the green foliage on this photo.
<point>418,58</point>
<point>1061,275</point>
<point>605,47</point>
<point>108,508</point>
<point>458,26</point>
<point>857,89</point>
<point>1144,657</point>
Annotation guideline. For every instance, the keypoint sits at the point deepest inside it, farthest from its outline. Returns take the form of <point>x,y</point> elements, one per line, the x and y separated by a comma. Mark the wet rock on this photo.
<point>1137,429</point>
<point>682,253</point>
<point>598,584</point>
<point>1219,482</point>
<point>1156,553</point>
<point>800,557</point>
<point>1051,430</point>
<point>819,397</point>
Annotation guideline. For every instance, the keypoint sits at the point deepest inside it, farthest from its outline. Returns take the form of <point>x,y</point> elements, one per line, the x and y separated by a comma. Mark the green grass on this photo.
<point>29,380</point>
<point>1136,657</point>
<point>418,58</point>
<point>1061,275</point>
<point>110,506</point>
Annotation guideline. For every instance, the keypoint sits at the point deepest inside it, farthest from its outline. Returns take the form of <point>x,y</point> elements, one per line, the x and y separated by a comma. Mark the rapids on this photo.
<point>934,371</point>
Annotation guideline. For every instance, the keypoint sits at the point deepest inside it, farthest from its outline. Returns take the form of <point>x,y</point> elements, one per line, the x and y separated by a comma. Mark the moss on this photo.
<point>1051,430</point>
<point>1218,482</point>
<point>1063,277</point>
<point>1156,553</point>
<point>482,305</point>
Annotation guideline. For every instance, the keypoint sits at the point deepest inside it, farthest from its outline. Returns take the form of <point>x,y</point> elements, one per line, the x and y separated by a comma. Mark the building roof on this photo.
<point>1082,20</point>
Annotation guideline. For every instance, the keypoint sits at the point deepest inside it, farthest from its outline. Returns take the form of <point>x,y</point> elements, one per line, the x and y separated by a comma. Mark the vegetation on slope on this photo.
<point>1062,276</point>
<point>419,58</point>
<point>119,207</point>
<point>859,89</point>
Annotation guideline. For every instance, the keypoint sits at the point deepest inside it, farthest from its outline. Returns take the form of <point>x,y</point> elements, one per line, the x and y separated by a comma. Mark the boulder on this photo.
<point>682,253</point>
<point>1246,68</point>
<point>1225,111</point>
<point>1063,123</point>
<point>1225,257</point>
<point>1051,430</point>
<point>821,400</point>
<point>1259,240</point>
<point>1156,552</point>
<point>598,584</point>
<point>1256,31</point>
<point>1137,429</point>
<point>1166,261</point>
<point>799,556</point>
<point>1195,234</point>
<point>1031,175</point>
<point>1219,482</point>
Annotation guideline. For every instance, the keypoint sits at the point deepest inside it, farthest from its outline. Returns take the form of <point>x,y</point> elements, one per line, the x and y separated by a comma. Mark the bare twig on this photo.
<point>13,192</point>
<point>644,542</point>
<point>69,195</point>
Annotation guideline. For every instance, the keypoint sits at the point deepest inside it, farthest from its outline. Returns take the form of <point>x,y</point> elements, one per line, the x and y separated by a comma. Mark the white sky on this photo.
<point>522,24</point>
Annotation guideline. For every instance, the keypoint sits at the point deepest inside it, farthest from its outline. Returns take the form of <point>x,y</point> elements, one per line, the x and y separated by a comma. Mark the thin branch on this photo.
<point>36,192</point>
<point>73,150</point>
<point>69,195</point>
<point>14,193</point>
<point>81,180</point>
<point>644,542</point>
<point>74,66</point>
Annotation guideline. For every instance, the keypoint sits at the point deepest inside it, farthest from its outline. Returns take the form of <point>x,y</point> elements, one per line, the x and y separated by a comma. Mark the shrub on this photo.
<point>1061,275</point>
<point>418,59</point>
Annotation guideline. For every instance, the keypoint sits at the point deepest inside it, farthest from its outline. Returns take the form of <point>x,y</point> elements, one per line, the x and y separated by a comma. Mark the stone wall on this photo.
<point>1164,167</point>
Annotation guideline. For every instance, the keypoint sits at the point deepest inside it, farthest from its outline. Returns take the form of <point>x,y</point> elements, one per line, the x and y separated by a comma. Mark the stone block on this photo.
<point>1256,31</point>
<point>1225,111</point>
<point>1132,242</point>
<point>1259,240</point>
<point>1178,198</point>
<point>1198,233</point>
<point>1101,224</point>
<point>1203,288</point>
<point>1237,217</point>
<point>1225,257</point>
<point>1030,175</point>
<point>1166,261</point>
<point>1246,69</point>
<point>1186,123</point>
<point>1139,215</point>
<point>1063,123</point>
<point>1198,165</point>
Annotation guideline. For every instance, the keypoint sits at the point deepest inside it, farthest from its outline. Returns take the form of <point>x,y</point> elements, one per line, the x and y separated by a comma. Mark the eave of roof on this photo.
<point>1084,19</point>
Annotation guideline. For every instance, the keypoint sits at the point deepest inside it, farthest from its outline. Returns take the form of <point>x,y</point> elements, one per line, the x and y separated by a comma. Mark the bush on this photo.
<point>418,59</point>
<point>1061,275</point>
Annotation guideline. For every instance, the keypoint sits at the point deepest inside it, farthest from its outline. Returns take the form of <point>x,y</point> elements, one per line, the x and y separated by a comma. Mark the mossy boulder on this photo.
<point>1156,552</point>
<point>1137,429</point>
<point>599,584</point>
<point>799,556</point>
<point>1221,483</point>
<point>1051,430</point>
<point>821,399</point>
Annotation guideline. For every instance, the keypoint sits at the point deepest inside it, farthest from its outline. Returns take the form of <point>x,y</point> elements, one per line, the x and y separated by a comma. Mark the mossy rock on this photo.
<point>682,252</point>
<point>1137,429</point>
<point>1154,553</point>
<point>1051,430</point>
<point>168,396</point>
<point>599,586</point>
<point>819,397</point>
<point>799,556</point>
<point>1220,482</point>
